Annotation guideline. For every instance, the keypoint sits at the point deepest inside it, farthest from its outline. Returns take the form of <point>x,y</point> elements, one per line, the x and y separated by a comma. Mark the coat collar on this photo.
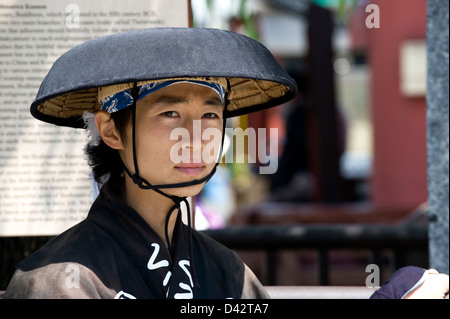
<point>167,275</point>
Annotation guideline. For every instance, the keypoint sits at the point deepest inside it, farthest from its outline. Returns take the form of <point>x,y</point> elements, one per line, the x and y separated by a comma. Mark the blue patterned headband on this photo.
<point>123,99</point>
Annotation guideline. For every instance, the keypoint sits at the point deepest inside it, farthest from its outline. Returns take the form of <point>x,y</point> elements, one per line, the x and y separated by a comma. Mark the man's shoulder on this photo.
<point>65,267</point>
<point>63,280</point>
<point>73,245</point>
<point>215,252</point>
<point>208,243</point>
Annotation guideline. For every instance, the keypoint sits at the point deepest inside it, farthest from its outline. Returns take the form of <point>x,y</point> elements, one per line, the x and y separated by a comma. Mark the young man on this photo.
<point>136,92</point>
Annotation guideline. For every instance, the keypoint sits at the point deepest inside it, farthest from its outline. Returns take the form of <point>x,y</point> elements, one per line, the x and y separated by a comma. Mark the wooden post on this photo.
<point>324,132</point>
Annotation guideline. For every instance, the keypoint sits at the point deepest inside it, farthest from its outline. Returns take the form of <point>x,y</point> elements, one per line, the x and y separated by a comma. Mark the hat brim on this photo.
<point>71,87</point>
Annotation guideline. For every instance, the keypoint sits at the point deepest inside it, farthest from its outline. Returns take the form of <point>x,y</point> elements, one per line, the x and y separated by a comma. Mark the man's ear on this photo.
<point>108,131</point>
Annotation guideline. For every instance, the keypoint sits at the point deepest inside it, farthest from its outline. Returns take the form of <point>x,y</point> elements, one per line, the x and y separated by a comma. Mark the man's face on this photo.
<point>158,115</point>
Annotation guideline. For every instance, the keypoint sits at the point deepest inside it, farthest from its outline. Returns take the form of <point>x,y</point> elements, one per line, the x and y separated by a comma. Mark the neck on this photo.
<point>152,207</point>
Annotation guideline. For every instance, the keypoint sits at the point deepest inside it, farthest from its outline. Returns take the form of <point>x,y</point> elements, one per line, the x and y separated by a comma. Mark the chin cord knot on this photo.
<point>137,180</point>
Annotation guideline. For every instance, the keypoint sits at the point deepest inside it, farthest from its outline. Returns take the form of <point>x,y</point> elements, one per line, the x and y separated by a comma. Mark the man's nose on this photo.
<point>194,127</point>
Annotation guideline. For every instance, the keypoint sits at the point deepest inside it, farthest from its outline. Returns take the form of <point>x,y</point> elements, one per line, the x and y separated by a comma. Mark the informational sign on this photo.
<point>44,178</point>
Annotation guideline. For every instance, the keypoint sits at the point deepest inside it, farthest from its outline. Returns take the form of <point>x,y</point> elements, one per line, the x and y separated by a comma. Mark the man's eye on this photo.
<point>210,116</point>
<point>170,114</point>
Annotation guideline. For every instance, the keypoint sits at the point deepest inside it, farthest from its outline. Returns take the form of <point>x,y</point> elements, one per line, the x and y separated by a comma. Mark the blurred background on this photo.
<point>351,184</point>
<point>356,134</point>
<point>352,145</point>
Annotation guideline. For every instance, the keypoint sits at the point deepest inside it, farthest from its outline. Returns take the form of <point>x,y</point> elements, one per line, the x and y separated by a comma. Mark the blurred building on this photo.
<point>354,141</point>
<point>379,97</point>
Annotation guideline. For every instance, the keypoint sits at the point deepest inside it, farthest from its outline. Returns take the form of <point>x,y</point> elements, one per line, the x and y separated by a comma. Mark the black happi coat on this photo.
<point>114,253</point>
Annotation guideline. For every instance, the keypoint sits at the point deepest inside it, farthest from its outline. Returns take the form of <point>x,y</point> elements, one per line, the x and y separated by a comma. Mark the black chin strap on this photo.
<point>144,184</point>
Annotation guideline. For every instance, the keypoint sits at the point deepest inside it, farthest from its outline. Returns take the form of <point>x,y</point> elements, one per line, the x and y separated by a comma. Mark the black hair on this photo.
<point>103,159</point>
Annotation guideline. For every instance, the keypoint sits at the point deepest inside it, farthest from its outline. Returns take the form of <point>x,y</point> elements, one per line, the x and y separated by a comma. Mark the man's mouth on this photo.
<point>190,169</point>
